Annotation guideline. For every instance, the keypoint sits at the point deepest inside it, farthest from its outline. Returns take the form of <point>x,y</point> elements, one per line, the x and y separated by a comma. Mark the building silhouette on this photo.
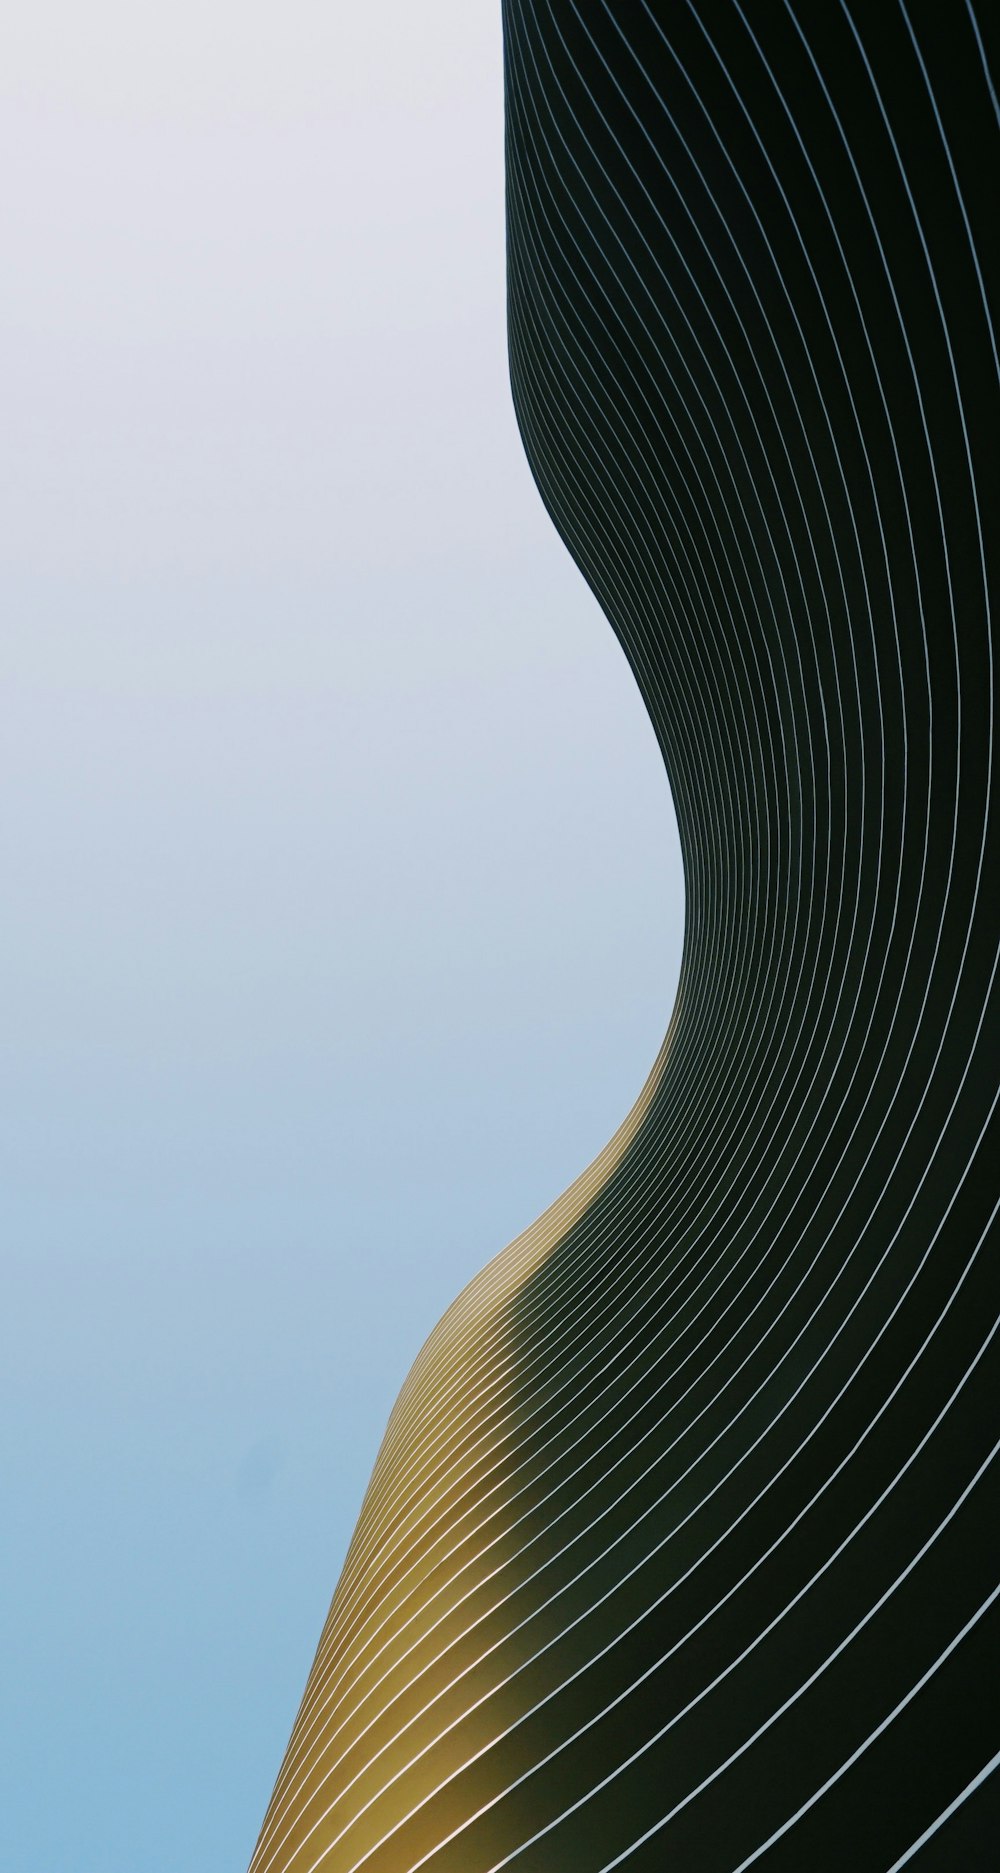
<point>682,1549</point>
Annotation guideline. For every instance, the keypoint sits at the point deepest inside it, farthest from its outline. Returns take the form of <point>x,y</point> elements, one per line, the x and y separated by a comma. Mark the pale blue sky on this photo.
<point>342,898</point>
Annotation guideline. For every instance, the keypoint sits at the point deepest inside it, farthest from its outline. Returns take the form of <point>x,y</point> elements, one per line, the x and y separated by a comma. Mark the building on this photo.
<point>682,1547</point>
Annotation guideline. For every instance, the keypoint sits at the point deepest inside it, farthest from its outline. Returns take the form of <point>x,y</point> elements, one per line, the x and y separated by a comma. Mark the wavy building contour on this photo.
<point>682,1549</point>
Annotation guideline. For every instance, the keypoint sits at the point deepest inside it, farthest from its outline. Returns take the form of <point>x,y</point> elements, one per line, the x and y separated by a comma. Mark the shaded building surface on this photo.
<point>683,1546</point>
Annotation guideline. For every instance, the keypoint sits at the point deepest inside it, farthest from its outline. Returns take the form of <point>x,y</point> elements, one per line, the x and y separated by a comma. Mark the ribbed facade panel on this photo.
<point>683,1545</point>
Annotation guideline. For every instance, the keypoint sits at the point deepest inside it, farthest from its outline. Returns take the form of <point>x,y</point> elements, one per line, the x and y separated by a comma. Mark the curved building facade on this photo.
<point>683,1546</point>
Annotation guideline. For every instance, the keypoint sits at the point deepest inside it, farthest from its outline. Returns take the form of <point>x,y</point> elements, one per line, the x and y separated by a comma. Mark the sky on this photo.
<point>342,902</point>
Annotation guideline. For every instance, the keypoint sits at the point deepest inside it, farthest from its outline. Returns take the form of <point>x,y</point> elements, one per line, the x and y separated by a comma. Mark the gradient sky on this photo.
<point>342,899</point>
